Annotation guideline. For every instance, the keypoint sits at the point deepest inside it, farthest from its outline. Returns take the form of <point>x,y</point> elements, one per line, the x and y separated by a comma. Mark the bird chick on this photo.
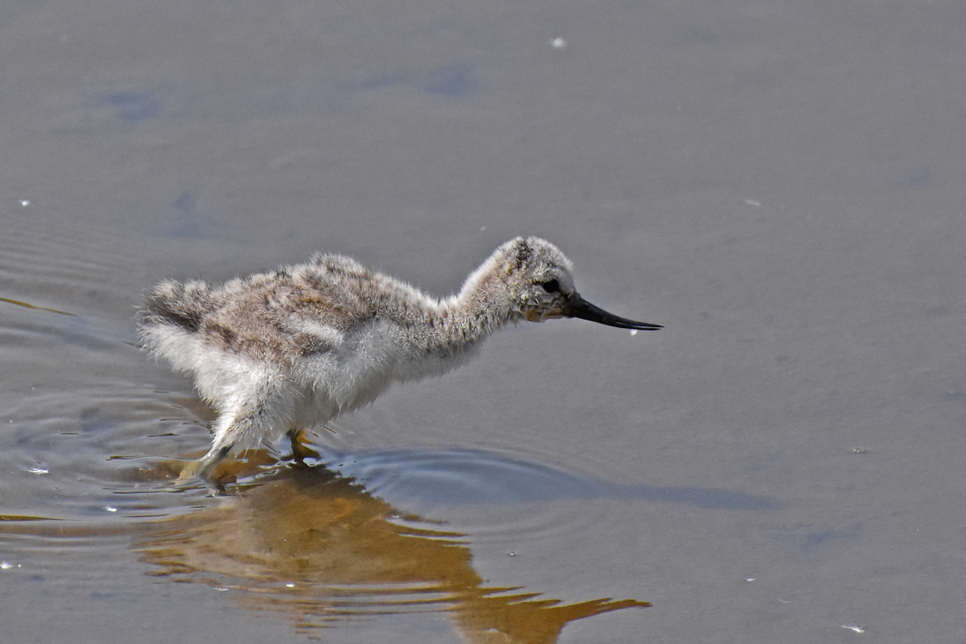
<point>296,347</point>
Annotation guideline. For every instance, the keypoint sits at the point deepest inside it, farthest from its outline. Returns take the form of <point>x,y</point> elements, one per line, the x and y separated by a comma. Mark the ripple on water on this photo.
<point>76,399</point>
<point>69,268</point>
<point>496,496</point>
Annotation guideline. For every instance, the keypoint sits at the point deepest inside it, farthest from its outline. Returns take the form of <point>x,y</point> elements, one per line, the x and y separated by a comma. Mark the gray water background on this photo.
<point>781,184</point>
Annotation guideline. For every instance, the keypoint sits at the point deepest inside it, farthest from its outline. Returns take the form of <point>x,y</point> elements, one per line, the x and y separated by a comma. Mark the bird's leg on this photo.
<point>203,465</point>
<point>300,451</point>
<point>243,423</point>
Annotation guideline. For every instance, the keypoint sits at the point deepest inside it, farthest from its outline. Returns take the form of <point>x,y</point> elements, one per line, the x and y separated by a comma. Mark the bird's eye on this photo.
<point>551,286</point>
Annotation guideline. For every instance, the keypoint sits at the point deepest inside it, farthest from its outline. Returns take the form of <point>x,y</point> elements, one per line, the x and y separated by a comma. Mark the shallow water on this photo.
<point>779,184</point>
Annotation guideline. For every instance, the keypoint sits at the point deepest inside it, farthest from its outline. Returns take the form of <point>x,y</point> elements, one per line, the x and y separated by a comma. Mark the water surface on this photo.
<point>779,184</point>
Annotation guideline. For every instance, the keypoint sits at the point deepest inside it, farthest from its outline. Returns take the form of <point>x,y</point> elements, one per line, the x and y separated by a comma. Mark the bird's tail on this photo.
<point>182,305</point>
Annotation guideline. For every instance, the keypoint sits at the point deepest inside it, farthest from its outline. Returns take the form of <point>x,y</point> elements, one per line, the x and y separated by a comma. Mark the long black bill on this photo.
<point>584,310</point>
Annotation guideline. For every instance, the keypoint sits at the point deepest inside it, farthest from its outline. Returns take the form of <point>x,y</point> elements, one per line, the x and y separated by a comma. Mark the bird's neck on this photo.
<point>468,317</point>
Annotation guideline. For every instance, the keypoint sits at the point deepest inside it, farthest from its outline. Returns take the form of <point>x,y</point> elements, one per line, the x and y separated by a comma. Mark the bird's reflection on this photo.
<point>307,543</point>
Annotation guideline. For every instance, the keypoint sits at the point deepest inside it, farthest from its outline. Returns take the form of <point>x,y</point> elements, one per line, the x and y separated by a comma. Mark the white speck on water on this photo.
<point>852,627</point>
<point>25,202</point>
<point>752,202</point>
<point>110,508</point>
<point>290,585</point>
<point>633,331</point>
<point>36,470</point>
<point>558,43</point>
<point>750,579</point>
<point>5,565</point>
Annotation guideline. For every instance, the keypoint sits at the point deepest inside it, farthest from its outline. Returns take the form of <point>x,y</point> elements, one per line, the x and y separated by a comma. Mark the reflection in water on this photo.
<point>318,547</point>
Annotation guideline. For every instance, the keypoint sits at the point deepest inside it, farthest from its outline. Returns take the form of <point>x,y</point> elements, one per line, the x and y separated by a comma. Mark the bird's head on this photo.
<point>538,279</point>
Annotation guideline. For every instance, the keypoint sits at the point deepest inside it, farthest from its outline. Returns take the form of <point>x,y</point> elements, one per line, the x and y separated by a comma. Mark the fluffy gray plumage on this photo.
<point>296,347</point>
